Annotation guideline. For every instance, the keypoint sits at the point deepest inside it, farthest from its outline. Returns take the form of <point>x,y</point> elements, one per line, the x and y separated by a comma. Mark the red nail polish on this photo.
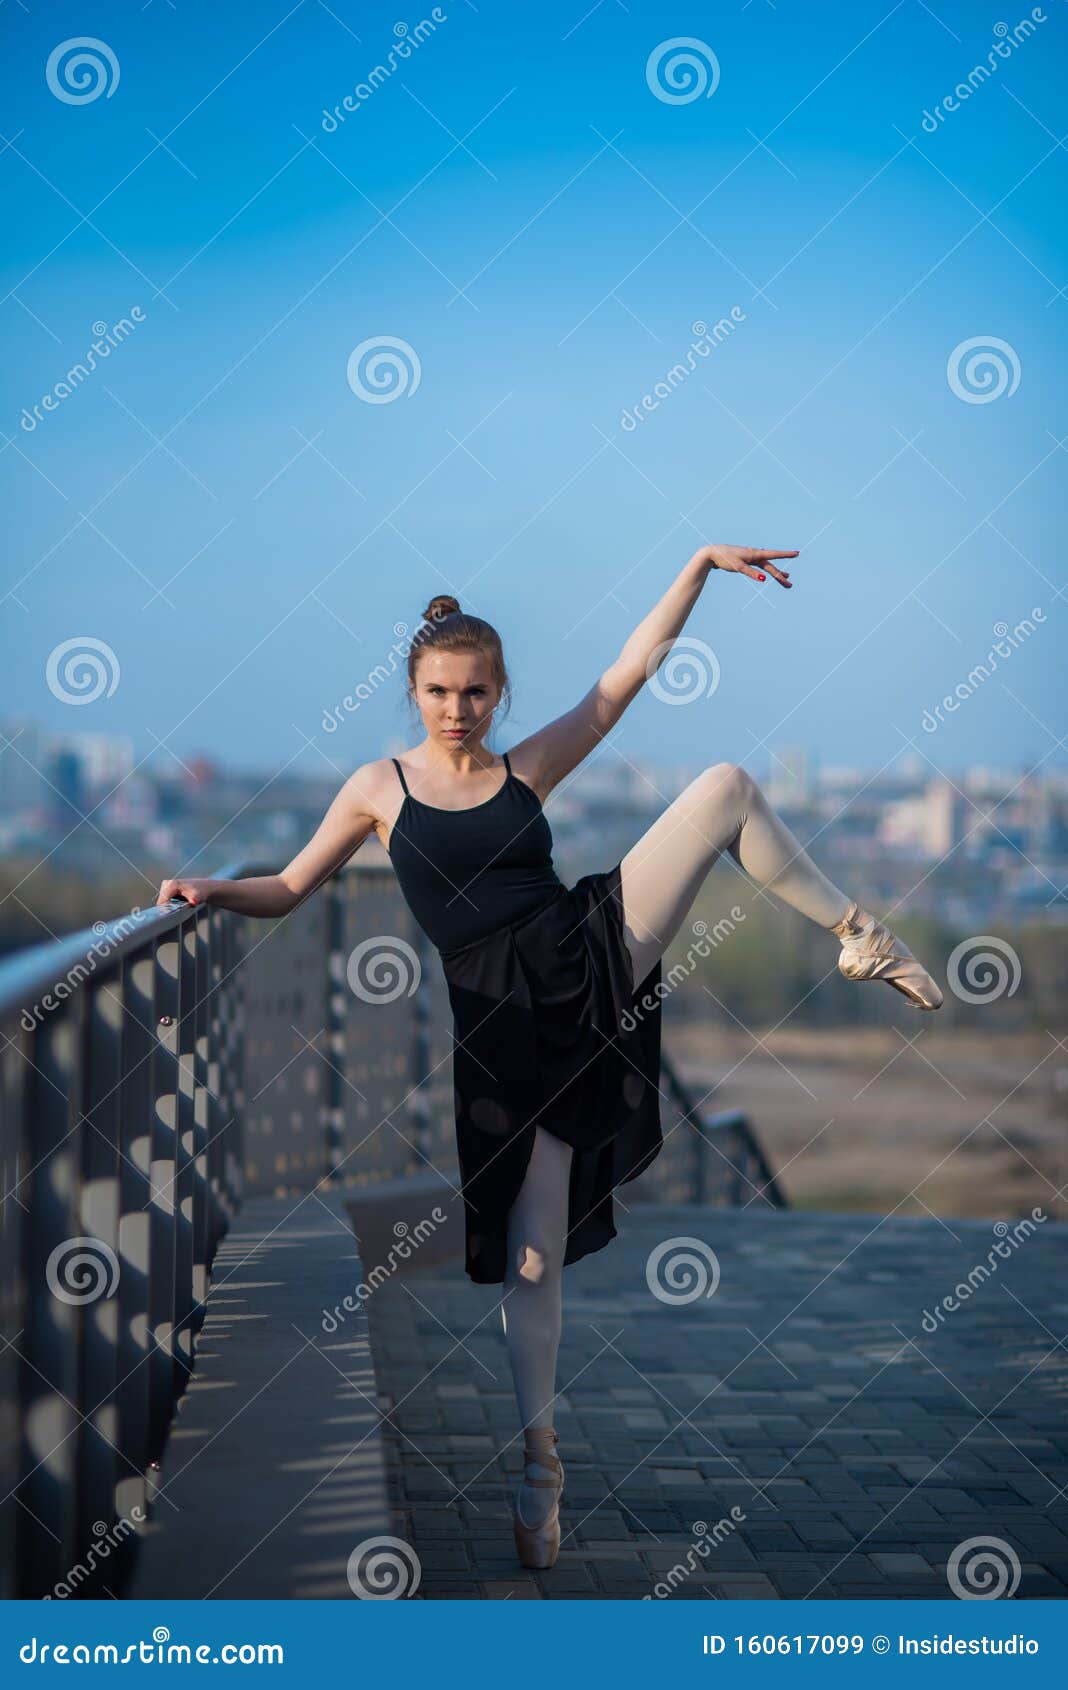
<point>761,577</point>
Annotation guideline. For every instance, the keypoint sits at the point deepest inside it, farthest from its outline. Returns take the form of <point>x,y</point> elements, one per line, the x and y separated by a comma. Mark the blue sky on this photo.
<point>520,155</point>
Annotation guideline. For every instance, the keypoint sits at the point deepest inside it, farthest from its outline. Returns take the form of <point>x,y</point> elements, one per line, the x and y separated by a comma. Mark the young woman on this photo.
<point>556,1085</point>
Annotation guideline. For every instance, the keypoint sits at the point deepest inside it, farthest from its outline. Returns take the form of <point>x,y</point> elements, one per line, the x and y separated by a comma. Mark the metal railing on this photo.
<point>728,1165</point>
<point>155,1070</point>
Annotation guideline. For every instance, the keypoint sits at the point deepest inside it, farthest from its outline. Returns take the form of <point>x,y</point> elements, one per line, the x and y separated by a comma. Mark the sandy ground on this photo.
<point>858,1119</point>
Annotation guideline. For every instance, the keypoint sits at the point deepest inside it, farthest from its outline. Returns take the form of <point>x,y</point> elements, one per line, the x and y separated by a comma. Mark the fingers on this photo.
<point>171,891</point>
<point>755,574</point>
<point>753,561</point>
<point>782,576</point>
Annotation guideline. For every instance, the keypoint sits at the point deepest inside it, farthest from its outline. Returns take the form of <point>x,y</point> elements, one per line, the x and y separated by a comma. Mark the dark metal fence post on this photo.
<point>98,1435</point>
<point>335,986</point>
<point>49,1341</point>
<point>135,1145</point>
<point>164,1130</point>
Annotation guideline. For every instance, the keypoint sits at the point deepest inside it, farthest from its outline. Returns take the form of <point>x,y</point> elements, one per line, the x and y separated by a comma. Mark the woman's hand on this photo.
<point>753,561</point>
<point>193,891</point>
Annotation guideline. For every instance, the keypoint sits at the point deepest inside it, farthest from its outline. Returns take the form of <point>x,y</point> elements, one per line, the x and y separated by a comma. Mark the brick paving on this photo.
<point>856,1448</point>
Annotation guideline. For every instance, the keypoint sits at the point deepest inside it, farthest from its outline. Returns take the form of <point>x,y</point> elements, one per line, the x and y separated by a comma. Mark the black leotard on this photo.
<point>550,1027</point>
<point>466,873</point>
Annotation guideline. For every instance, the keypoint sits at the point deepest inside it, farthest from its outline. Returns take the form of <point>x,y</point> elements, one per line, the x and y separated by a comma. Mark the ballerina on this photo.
<point>556,1086</point>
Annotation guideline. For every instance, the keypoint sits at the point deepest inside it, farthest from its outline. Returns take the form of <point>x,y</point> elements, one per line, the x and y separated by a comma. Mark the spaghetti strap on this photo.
<point>507,764</point>
<point>400,771</point>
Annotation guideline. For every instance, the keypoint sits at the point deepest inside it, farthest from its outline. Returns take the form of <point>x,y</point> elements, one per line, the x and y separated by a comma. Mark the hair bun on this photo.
<point>441,606</point>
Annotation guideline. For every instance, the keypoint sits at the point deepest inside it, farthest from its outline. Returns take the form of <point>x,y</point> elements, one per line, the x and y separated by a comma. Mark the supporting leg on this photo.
<point>531,1312</point>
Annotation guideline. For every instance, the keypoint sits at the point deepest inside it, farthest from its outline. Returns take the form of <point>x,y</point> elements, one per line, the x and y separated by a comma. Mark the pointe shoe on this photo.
<point>538,1546</point>
<point>871,952</point>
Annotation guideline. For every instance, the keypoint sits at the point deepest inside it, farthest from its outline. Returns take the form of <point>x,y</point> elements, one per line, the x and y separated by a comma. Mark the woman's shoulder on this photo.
<point>526,766</point>
<point>372,784</point>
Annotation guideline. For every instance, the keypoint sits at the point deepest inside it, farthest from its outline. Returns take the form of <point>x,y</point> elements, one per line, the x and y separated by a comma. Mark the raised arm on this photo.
<point>343,829</point>
<point>553,751</point>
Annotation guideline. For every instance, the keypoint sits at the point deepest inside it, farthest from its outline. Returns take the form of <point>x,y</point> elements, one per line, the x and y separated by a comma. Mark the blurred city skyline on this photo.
<point>988,844</point>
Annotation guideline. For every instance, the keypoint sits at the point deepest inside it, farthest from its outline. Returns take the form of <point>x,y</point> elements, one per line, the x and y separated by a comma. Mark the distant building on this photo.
<point>23,786</point>
<point>792,778</point>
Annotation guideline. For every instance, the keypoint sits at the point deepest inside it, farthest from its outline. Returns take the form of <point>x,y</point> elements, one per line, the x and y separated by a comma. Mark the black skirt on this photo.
<point>551,1030</point>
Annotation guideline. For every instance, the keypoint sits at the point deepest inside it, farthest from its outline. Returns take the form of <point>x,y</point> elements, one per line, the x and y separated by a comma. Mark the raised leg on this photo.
<point>531,1311</point>
<point>722,810</point>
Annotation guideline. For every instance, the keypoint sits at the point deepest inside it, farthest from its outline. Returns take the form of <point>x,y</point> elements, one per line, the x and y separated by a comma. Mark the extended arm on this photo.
<point>561,745</point>
<point>342,831</point>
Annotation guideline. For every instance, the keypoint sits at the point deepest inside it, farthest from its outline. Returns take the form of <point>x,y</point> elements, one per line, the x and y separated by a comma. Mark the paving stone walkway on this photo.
<point>857,1447</point>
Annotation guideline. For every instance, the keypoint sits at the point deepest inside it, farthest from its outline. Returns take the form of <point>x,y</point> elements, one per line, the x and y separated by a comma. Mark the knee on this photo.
<point>531,1263</point>
<point>728,782</point>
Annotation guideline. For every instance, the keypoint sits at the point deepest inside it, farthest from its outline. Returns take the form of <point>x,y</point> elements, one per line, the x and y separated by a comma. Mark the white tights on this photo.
<point>723,809</point>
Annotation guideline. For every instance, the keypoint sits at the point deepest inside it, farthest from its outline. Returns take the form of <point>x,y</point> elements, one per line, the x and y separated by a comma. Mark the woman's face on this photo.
<point>456,695</point>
